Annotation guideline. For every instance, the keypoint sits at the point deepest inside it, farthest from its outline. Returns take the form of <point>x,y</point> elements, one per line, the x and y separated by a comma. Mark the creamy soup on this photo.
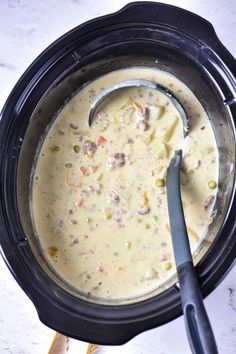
<point>99,201</point>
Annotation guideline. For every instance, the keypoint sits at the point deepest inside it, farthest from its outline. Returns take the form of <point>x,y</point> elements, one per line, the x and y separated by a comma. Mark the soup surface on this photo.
<point>98,194</point>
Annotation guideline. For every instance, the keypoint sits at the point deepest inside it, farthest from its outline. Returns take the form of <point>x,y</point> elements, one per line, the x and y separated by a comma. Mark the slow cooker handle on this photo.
<point>173,16</point>
<point>188,22</point>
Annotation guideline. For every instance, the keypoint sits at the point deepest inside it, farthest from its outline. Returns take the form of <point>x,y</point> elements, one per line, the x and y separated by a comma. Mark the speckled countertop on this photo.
<point>26,28</point>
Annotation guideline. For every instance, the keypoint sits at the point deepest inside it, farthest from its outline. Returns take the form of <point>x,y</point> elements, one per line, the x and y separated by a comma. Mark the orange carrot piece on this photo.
<point>94,168</point>
<point>84,170</point>
<point>145,194</point>
<point>145,198</point>
<point>101,140</point>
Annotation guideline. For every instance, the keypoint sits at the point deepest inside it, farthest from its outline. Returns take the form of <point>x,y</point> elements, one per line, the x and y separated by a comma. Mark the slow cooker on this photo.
<point>141,34</point>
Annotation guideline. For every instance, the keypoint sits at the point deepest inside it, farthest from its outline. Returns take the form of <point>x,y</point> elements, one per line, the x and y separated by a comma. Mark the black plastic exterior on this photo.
<point>56,308</point>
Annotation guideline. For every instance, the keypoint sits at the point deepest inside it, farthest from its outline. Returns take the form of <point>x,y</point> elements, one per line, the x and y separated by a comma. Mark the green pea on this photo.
<point>168,266</point>
<point>108,215</point>
<point>212,184</point>
<point>55,148</point>
<point>160,182</point>
<point>76,149</point>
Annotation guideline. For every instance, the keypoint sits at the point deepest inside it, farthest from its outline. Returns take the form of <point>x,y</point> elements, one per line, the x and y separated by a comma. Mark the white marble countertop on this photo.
<point>26,28</point>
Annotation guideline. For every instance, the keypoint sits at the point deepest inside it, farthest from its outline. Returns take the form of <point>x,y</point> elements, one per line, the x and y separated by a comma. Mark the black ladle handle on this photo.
<point>199,331</point>
<point>198,327</point>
